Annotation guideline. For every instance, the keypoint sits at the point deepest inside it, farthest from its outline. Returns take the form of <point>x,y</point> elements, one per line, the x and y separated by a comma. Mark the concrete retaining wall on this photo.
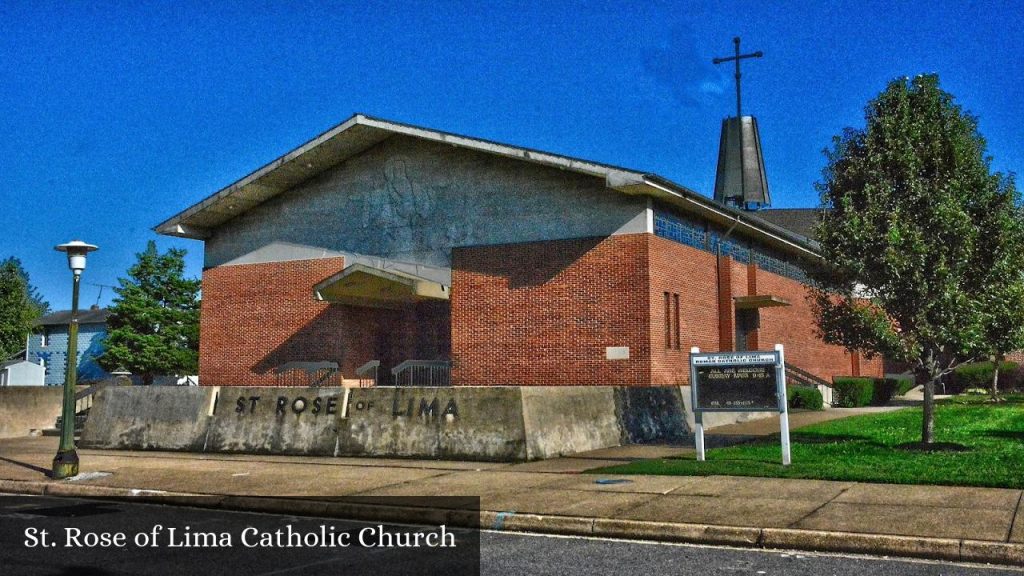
<point>23,408</point>
<point>652,414</point>
<point>149,417</point>
<point>451,423</point>
<point>566,420</point>
<point>275,420</point>
<point>492,423</point>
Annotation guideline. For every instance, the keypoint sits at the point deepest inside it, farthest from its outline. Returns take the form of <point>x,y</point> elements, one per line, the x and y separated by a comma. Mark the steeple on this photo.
<point>740,180</point>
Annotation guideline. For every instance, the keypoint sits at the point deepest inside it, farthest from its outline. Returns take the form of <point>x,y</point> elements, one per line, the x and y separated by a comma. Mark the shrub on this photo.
<point>804,397</point>
<point>1014,380</point>
<point>852,392</point>
<point>883,390</point>
<point>904,383</point>
<point>979,375</point>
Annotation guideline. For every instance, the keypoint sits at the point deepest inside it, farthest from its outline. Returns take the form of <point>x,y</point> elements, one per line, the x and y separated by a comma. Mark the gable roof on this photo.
<point>360,132</point>
<point>799,220</point>
<point>63,317</point>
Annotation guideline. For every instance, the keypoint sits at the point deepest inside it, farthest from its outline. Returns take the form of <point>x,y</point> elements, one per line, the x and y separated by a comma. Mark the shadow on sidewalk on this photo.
<point>32,467</point>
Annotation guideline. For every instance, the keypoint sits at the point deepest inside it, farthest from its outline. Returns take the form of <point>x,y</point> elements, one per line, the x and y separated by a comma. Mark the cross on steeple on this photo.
<point>740,180</point>
<point>737,59</point>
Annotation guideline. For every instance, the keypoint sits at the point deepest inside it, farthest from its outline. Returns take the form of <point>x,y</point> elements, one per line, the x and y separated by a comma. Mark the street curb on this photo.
<point>878,544</point>
<point>948,549</point>
<point>676,532</point>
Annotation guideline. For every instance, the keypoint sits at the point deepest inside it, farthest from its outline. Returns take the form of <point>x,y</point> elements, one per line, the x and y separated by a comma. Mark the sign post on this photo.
<point>739,382</point>
<point>780,376</point>
<point>698,415</point>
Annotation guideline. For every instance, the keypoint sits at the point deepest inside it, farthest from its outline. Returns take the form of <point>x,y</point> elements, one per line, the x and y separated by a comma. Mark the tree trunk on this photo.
<point>928,412</point>
<point>930,371</point>
<point>994,386</point>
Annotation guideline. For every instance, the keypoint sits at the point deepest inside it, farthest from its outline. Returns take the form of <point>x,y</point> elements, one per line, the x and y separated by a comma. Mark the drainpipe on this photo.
<point>728,233</point>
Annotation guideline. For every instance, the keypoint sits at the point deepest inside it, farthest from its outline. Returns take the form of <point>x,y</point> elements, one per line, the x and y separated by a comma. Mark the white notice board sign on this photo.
<point>739,382</point>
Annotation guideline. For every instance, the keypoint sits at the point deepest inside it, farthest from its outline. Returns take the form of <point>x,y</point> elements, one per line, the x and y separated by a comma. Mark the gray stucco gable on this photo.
<point>315,160</point>
<point>414,200</point>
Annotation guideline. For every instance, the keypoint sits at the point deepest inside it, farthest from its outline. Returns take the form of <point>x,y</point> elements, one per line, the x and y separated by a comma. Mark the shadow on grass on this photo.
<point>933,447</point>
<point>805,438</point>
<point>1006,434</point>
<point>852,439</point>
<point>983,400</point>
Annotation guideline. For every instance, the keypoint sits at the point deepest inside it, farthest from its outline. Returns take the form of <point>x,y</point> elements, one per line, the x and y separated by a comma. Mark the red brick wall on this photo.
<point>691,273</point>
<point>256,317</point>
<point>793,326</point>
<point>542,313</point>
<point>523,314</point>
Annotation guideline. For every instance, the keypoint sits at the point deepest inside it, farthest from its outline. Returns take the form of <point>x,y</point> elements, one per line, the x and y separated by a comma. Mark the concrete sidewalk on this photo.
<point>968,524</point>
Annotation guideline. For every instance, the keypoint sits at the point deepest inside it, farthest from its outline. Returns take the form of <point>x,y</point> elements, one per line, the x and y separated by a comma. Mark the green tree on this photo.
<point>153,328</point>
<point>1003,265</point>
<point>20,306</point>
<point>913,213</point>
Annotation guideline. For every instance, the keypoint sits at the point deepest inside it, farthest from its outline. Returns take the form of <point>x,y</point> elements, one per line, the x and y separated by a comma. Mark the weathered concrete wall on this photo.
<point>23,408</point>
<point>492,423</point>
<point>651,415</point>
<point>149,417</point>
<point>567,420</point>
<point>261,420</point>
<point>451,423</point>
<point>411,200</point>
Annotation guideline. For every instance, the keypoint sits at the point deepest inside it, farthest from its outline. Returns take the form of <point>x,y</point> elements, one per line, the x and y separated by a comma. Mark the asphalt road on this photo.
<point>66,551</point>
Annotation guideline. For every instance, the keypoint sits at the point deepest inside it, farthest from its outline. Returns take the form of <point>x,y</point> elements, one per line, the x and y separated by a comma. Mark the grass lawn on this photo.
<point>865,448</point>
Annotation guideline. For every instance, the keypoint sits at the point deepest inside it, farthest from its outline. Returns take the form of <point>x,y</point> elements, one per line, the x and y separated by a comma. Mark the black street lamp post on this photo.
<point>65,463</point>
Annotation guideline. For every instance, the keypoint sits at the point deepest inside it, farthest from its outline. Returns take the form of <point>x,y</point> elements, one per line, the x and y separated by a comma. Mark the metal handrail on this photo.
<point>422,373</point>
<point>365,368</point>
<point>802,377</point>
<point>801,374</point>
<point>312,374</point>
<point>92,389</point>
<point>83,398</point>
<point>368,373</point>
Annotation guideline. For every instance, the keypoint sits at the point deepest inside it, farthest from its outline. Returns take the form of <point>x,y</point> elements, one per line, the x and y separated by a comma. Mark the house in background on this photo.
<point>19,372</point>
<point>48,344</point>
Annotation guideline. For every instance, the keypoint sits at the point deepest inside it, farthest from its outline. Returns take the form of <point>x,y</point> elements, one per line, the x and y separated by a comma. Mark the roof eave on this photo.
<point>254,189</point>
<point>260,185</point>
<point>745,221</point>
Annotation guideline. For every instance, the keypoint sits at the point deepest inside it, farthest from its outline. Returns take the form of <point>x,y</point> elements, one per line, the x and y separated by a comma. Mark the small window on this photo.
<point>44,337</point>
<point>668,320</point>
<point>675,318</point>
<point>672,335</point>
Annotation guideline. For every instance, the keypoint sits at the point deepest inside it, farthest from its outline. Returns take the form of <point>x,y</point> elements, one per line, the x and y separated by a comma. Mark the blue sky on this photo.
<point>116,116</point>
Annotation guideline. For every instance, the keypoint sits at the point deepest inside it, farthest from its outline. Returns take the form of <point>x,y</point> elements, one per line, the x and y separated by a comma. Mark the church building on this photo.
<point>395,247</point>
